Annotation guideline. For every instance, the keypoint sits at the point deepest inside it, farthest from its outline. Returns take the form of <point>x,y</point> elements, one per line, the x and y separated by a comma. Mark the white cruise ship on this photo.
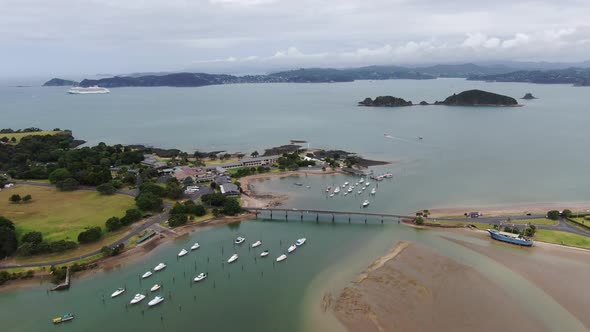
<point>77,90</point>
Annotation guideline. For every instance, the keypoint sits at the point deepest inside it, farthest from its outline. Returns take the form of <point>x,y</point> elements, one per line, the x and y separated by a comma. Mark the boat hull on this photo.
<point>500,237</point>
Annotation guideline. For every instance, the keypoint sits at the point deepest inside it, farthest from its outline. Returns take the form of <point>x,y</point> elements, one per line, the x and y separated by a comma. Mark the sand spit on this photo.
<point>415,289</point>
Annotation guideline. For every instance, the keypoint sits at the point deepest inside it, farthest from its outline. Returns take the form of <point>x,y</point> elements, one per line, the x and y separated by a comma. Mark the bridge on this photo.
<point>332,213</point>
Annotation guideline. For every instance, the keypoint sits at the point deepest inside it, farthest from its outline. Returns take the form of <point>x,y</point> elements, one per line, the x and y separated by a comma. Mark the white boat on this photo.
<point>200,277</point>
<point>373,191</point>
<point>300,241</point>
<point>345,193</point>
<point>363,188</point>
<point>328,188</point>
<point>337,190</point>
<point>349,189</point>
<point>156,300</point>
<point>182,252</point>
<point>388,175</point>
<point>307,187</point>
<point>264,253</point>
<point>118,292</point>
<point>362,180</point>
<point>195,246</point>
<point>233,258</point>
<point>256,244</point>
<point>359,192</point>
<point>155,287</point>
<point>281,258</point>
<point>159,267</point>
<point>292,248</point>
<point>78,90</point>
<point>366,203</point>
<point>137,298</point>
<point>146,275</point>
<point>345,184</point>
<point>239,240</point>
<point>331,195</point>
<point>367,184</point>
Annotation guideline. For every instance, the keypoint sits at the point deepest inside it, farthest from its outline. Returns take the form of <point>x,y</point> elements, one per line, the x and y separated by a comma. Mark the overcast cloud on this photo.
<point>81,37</point>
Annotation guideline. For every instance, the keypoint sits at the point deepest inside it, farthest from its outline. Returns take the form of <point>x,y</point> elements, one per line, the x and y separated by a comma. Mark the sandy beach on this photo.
<point>415,289</point>
<point>510,209</point>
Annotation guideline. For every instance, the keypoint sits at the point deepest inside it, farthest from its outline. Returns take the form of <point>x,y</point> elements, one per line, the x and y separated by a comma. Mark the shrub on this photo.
<point>177,220</point>
<point>566,213</point>
<point>231,207</point>
<point>106,189</point>
<point>90,235</point>
<point>113,224</point>
<point>553,215</point>
<point>32,237</point>
<point>68,184</point>
<point>131,216</point>
<point>149,202</point>
<point>59,175</point>
<point>419,221</point>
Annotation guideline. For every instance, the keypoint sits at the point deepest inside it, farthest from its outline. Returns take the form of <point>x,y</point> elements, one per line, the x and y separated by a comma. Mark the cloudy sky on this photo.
<point>83,37</point>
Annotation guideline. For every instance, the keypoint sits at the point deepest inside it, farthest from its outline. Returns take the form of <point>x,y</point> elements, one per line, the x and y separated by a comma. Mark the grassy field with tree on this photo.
<point>19,136</point>
<point>61,215</point>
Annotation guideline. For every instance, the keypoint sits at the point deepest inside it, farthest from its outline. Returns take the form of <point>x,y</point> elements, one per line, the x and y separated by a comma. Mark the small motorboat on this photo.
<point>328,188</point>
<point>292,248</point>
<point>160,267</point>
<point>359,192</point>
<point>200,277</point>
<point>363,188</point>
<point>307,187</point>
<point>146,275</point>
<point>298,184</point>
<point>373,191</point>
<point>264,253</point>
<point>233,258</point>
<point>155,287</point>
<point>367,184</point>
<point>331,195</point>
<point>156,300</point>
<point>345,193</point>
<point>337,190</point>
<point>345,184</point>
<point>256,244</point>
<point>420,137</point>
<point>64,318</point>
<point>137,298</point>
<point>388,175</point>
<point>118,292</point>
<point>300,241</point>
<point>366,203</point>
<point>239,240</point>
<point>195,246</point>
<point>349,189</point>
<point>182,252</point>
<point>362,180</point>
<point>281,258</point>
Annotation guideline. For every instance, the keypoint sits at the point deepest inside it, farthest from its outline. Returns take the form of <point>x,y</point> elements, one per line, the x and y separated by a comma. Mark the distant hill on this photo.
<point>575,76</point>
<point>478,98</point>
<point>60,82</point>
<point>385,101</point>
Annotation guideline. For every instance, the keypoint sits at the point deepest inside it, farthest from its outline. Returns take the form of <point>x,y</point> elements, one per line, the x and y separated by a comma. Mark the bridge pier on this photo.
<point>317,218</point>
<point>332,218</point>
<point>271,215</point>
<point>302,216</point>
<point>349,218</point>
<point>382,219</point>
<point>365,219</point>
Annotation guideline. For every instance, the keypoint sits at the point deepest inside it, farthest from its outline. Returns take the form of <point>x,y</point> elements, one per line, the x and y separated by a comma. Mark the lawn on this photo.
<point>538,221</point>
<point>18,136</point>
<point>209,162</point>
<point>61,215</point>
<point>564,238</point>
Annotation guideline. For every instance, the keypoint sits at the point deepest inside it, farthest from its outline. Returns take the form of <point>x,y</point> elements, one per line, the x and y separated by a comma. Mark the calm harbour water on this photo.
<point>469,156</point>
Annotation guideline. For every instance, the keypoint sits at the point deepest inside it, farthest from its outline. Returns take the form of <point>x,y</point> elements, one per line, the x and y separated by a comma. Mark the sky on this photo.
<point>79,38</point>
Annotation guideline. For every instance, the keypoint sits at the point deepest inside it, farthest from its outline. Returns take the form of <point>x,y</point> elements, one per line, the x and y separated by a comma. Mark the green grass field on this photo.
<point>538,221</point>
<point>568,239</point>
<point>61,215</point>
<point>18,136</point>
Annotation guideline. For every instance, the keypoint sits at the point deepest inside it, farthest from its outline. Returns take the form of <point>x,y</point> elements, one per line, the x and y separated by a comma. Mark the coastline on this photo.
<point>508,209</point>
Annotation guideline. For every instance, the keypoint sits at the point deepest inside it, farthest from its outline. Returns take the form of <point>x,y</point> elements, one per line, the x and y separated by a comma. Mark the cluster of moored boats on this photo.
<point>201,276</point>
<point>361,186</point>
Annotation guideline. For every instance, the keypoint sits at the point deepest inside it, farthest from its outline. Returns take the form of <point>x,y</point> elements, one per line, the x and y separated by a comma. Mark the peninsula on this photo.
<point>60,82</point>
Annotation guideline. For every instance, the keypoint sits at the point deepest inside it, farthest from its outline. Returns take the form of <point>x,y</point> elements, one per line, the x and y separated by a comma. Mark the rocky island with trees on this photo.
<point>465,98</point>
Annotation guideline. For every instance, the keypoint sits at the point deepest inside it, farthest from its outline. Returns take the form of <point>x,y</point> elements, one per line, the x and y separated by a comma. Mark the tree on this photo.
<point>150,187</point>
<point>566,213</point>
<point>113,224</point>
<point>13,139</point>
<point>178,209</point>
<point>173,190</point>
<point>188,181</point>
<point>419,221</point>
<point>106,189</point>
<point>553,215</point>
<point>214,199</point>
<point>59,175</point>
<point>15,198</point>
<point>32,237</point>
<point>68,184</point>
<point>254,154</point>
<point>92,234</point>
<point>131,216</point>
<point>231,207</point>
<point>8,241</point>
<point>27,198</point>
<point>177,220</point>
<point>149,202</point>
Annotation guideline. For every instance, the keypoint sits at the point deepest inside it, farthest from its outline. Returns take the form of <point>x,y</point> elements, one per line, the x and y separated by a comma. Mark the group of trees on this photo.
<point>245,171</point>
<point>16,198</point>
<point>5,139</point>
<point>554,214</point>
<point>292,161</point>
<point>32,243</point>
<point>91,234</point>
<point>114,223</point>
<point>151,194</point>
<point>222,204</point>
<point>180,212</point>
<point>8,241</point>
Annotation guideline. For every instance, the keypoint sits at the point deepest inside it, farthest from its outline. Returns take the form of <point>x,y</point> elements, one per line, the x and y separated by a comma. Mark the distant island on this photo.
<point>60,82</point>
<point>575,76</point>
<point>465,98</point>
<point>529,96</point>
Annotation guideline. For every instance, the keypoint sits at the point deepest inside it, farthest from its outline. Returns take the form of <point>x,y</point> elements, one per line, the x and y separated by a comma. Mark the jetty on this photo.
<point>64,285</point>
